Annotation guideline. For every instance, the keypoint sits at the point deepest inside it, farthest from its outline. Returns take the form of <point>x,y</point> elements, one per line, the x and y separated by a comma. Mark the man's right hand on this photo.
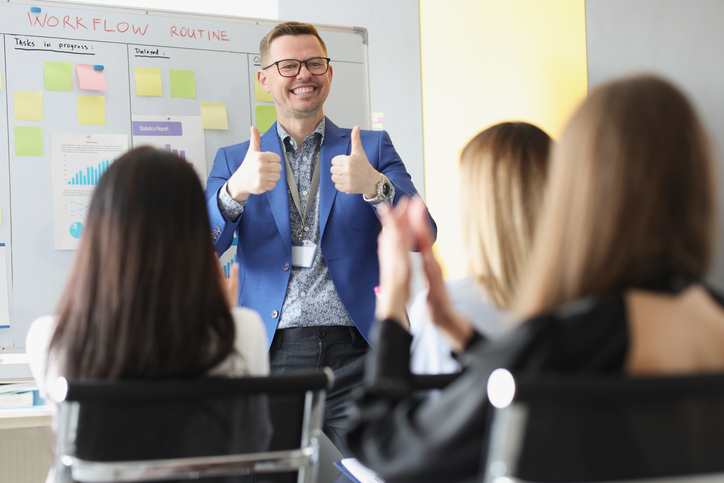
<point>258,173</point>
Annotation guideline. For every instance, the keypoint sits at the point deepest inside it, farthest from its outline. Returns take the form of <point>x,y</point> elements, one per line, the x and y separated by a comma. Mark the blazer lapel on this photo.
<point>278,198</point>
<point>336,142</point>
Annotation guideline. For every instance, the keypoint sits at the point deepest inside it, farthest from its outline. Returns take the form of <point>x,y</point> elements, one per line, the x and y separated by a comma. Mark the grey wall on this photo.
<point>682,40</point>
<point>394,63</point>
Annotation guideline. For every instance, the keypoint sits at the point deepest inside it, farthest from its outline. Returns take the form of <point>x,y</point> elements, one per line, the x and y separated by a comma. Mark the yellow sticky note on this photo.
<point>148,81</point>
<point>28,141</point>
<point>92,110</point>
<point>28,105</point>
<point>213,115</point>
<point>265,117</point>
<point>259,93</point>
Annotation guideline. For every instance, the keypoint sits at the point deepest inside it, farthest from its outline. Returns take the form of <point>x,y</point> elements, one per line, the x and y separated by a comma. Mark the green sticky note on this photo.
<point>265,117</point>
<point>28,141</point>
<point>148,81</point>
<point>259,94</point>
<point>213,115</point>
<point>28,105</point>
<point>92,110</point>
<point>183,83</point>
<point>58,76</point>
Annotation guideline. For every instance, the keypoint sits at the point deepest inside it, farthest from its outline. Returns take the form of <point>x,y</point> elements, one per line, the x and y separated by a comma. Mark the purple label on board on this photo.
<point>148,128</point>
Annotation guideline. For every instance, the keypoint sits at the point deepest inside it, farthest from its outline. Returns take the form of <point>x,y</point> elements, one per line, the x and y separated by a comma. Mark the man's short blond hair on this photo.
<point>287,28</point>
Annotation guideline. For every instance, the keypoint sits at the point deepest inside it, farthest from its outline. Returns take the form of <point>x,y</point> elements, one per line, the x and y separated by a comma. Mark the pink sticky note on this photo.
<point>91,79</point>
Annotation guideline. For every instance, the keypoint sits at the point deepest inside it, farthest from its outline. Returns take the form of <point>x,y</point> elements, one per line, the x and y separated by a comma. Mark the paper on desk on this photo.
<point>4,305</point>
<point>356,470</point>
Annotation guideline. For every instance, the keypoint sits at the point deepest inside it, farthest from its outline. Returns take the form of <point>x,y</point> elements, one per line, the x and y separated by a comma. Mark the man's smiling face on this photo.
<point>301,96</point>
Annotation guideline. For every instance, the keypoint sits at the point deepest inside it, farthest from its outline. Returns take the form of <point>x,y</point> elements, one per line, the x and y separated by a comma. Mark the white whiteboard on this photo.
<point>222,53</point>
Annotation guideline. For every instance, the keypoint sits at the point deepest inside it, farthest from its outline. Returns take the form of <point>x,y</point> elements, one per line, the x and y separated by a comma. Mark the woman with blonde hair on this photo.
<point>614,285</point>
<point>503,171</point>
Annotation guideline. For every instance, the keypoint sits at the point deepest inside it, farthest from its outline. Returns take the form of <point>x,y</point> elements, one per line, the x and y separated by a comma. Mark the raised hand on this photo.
<point>393,252</point>
<point>455,327</point>
<point>353,173</point>
<point>259,172</point>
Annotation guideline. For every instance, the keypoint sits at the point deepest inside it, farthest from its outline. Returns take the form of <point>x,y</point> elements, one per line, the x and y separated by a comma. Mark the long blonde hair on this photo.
<point>631,190</point>
<point>503,173</point>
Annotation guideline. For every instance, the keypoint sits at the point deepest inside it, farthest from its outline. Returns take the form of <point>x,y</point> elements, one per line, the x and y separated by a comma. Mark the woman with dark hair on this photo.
<point>146,297</point>
<point>614,286</point>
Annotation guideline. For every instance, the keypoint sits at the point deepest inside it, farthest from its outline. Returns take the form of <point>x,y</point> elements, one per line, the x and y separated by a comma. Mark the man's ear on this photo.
<point>263,81</point>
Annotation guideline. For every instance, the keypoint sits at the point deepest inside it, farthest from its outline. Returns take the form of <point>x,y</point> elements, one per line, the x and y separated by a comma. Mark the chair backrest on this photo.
<point>611,429</point>
<point>161,430</point>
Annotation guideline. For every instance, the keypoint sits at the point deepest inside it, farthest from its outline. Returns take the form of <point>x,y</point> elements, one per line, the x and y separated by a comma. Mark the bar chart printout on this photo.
<point>228,258</point>
<point>90,175</point>
<point>182,135</point>
<point>77,162</point>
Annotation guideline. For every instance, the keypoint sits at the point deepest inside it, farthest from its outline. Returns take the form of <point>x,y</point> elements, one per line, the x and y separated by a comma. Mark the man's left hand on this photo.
<point>353,173</point>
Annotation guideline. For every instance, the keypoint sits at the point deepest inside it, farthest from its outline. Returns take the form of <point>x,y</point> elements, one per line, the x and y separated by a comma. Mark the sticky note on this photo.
<point>92,110</point>
<point>265,117</point>
<point>148,81</point>
<point>213,115</point>
<point>90,78</point>
<point>259,94</point>
<point>58,76</point>
<point>183,83</point>
<point>28,105</point>
<point>28,141</point>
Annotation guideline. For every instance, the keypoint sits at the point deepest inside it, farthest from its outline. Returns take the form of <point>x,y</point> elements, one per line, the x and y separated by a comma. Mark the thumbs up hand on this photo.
<point>353,173</point>
<point>258,173</point>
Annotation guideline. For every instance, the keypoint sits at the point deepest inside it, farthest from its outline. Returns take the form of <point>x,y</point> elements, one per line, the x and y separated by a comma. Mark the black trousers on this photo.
<point>342,349</point>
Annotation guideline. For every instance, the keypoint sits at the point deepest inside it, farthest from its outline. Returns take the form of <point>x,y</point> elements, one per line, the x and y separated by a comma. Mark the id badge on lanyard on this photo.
<point>303,255</point>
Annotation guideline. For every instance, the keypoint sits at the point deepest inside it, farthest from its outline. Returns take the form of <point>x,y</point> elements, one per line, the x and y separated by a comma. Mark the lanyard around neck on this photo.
<point>295,191</point>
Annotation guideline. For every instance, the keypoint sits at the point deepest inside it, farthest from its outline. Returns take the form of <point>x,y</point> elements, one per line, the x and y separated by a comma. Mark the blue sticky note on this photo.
<point>97,67</point>
<point>35,9</point>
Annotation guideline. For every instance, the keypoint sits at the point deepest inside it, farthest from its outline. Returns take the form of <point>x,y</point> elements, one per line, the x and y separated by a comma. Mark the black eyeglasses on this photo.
<point>292,67</point>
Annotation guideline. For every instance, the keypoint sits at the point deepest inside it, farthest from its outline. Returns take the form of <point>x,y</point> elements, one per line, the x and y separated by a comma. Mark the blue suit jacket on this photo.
<point>348,227</point>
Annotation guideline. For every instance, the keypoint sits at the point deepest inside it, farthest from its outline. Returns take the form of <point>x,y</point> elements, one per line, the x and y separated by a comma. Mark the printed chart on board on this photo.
<point>77,161</point>
<point>183,135</point>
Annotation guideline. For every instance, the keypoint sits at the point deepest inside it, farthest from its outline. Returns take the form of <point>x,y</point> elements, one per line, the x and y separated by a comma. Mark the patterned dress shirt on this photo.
<point>311,298</point>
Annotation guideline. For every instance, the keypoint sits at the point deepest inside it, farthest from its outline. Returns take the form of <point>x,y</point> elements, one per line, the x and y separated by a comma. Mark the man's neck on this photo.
<point>299,129</point>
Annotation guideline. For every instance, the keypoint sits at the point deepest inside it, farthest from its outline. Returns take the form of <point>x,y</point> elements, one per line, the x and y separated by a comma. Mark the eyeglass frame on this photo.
<point>300,66</point>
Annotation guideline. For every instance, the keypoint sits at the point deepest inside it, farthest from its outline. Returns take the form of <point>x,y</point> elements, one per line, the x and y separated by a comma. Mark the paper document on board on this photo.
<point>77,161</point>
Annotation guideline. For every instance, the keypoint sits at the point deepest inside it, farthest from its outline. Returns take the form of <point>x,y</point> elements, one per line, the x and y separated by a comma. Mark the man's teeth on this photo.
<point>303,90</point>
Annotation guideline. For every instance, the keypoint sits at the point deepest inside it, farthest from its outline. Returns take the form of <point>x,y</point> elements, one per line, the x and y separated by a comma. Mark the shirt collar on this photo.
<point>283,134</point>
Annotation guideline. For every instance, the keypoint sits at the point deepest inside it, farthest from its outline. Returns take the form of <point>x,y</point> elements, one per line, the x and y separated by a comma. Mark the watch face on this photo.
<point>386,188</point>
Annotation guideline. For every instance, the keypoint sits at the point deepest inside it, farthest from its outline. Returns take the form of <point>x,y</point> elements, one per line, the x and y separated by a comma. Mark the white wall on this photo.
<point>680,40</point>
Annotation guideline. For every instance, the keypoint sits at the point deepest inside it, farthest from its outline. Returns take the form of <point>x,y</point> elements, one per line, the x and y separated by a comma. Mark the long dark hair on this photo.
<point>144,298</point>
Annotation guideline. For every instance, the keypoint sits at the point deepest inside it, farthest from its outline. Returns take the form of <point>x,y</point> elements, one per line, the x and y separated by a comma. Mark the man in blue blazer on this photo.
<point>302,200</point>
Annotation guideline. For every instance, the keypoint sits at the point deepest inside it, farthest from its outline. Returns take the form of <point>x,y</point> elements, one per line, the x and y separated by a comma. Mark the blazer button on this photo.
<point>286,266</point>
<point>275,314</point>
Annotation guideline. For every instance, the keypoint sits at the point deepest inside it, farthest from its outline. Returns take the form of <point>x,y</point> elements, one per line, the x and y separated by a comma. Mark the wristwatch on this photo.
<point>383,191</point>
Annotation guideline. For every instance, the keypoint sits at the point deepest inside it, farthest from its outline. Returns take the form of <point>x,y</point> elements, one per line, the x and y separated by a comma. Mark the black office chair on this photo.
<point>200,429</point>
<point>605,429</point>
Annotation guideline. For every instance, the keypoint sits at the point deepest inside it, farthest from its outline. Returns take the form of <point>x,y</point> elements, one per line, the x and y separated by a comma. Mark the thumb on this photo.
<point>254,140</point>
<point>356,141</point>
